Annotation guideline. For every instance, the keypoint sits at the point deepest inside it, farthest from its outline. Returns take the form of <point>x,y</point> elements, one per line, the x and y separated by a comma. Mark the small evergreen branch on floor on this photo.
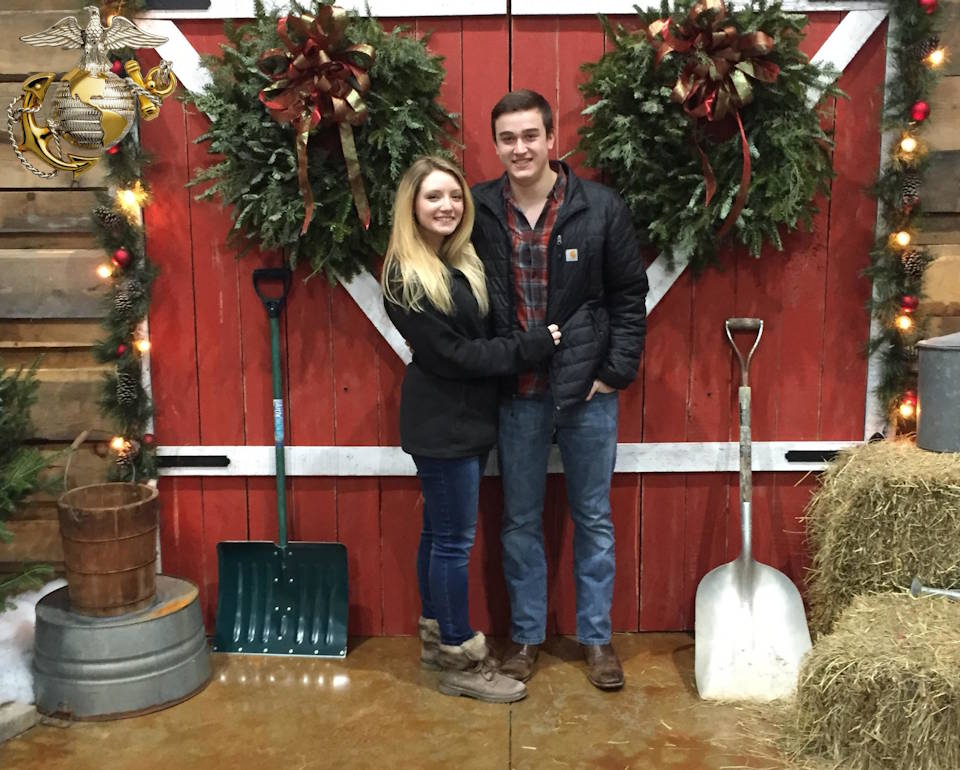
<point>20,465</point>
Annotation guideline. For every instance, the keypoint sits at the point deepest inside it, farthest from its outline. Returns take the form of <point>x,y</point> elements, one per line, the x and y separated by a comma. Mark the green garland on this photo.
<point>644,143</point>
<point>120,232</point>
<point>897,271</point>
<point>257,176</point>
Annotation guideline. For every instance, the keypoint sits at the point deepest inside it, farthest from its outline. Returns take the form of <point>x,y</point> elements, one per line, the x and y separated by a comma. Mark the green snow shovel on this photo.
<point>750,627</point>
<point>281,598</point>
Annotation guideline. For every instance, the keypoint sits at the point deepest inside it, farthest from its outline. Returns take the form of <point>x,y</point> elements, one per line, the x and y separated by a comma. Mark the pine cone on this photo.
<point>128,293</point>
<point>108,218</point>
<point>128,454</point>
<point>127,388</point>
<point>913,262</point>
<point>928,46</point>
<point>124,458</point>
<point>910,192</point>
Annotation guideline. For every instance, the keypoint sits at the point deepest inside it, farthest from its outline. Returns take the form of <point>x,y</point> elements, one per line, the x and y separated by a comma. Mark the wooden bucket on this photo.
<point>109,534</point>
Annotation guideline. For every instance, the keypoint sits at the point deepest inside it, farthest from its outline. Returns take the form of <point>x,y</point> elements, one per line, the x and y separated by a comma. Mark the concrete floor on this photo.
<point>377,709</point>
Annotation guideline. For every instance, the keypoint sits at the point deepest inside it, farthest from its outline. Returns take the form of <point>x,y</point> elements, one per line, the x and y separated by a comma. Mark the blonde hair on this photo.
<point>412,271</point>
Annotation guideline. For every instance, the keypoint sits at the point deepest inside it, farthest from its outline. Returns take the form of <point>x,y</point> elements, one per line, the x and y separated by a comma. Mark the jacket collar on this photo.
<point>489,195</point>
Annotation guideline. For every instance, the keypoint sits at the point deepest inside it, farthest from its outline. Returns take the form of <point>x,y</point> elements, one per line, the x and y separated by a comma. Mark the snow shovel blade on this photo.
<point>282,601</point>
<point>751,633</point>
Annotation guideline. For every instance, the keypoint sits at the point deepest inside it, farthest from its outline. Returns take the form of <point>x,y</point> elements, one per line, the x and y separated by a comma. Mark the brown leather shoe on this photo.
<point>518,661</point>
<point>603,666</point>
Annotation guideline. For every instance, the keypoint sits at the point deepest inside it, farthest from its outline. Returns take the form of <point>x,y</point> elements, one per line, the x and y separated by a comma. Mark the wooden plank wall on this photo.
<point>941,194</point>
<point>49,293</point>
<point>211,363</point>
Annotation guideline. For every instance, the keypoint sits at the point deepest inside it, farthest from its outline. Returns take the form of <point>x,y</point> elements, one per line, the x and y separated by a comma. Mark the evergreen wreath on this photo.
<point>258,175</point>
<point>648,147</point>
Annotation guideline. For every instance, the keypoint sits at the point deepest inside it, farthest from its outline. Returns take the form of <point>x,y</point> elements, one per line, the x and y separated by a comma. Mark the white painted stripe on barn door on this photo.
<point>243,9</point>
<point>668,457</point>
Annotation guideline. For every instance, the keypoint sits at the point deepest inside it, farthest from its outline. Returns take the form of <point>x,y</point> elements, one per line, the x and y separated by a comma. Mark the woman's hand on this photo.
<point>555,333</point>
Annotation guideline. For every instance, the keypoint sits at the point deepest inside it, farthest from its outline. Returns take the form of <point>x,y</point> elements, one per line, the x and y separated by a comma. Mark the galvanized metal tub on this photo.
<point>938,414</point>
<point>108,668</point>
<point>109,535</point>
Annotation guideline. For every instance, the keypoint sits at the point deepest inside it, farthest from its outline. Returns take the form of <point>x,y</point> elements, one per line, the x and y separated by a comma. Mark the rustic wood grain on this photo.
<point>46,211</point>
<point>939,229</point>
<point>943,131</point>
<point>940,193</point>
<point>68,403</point>
<point>32,541</point>
<point>56,283</point>
<point>49,331</point>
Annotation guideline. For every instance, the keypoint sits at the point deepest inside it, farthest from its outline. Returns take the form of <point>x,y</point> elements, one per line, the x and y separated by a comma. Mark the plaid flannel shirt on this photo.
<point>530,246</point>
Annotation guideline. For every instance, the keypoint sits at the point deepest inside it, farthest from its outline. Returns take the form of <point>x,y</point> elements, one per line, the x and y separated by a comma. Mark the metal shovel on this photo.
<point>281,598</point>
<point>751,631</point>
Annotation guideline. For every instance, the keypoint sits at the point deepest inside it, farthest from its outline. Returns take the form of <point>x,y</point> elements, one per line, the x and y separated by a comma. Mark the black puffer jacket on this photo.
<point>597,284</point>
<point>448,404</point>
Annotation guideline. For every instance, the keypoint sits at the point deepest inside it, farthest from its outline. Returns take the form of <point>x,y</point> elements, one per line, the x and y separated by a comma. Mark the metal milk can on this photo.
<point>938,415</point>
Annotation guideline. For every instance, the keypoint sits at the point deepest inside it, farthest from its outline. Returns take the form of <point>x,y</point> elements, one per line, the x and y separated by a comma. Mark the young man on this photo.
<point>559,249</point>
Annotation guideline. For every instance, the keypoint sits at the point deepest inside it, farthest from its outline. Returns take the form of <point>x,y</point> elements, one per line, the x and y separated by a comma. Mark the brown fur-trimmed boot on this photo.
<point>468,671</point>
<point>429,631</point>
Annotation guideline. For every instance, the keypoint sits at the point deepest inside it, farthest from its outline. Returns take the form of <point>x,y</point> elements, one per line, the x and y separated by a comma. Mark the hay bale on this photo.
<point>883,690</point>
<point>885,513</point>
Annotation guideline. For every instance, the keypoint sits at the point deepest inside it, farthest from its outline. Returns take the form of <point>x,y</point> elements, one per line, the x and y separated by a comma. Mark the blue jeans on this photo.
<point>451,491</point>
<point>587,437</point>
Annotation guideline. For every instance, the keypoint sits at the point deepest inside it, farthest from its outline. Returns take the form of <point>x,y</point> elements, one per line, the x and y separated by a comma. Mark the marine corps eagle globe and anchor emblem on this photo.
<point>91,107</point>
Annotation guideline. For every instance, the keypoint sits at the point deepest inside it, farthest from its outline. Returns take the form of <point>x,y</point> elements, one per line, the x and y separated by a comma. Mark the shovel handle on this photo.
<point>744,324</point>
<point>746,442</point>
<point>273,302</point>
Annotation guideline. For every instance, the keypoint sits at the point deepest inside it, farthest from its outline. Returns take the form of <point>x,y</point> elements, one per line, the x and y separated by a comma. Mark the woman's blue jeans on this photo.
<point>451,490</point>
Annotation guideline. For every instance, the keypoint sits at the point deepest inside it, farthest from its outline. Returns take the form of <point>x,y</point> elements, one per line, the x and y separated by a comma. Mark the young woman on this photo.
<point>435,293</point>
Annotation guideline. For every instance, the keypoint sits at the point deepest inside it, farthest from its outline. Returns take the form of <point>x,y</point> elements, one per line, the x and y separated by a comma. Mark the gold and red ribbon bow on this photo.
<point>715,80</point>
<point>318,81</point>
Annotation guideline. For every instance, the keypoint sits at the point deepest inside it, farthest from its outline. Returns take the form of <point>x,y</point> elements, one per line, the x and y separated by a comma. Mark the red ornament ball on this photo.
<point>920,111</point>
<point>909,397</point>
<point>117,67</point>
<point>928,5</point>
<point>121,349</point>
<point>148,439</point>
<point>121,257</point>
<point>113,150</point>
<point>909,303</point>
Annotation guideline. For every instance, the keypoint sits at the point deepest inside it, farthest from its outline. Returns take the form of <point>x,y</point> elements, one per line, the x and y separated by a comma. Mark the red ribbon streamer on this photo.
<point>315,83</point>
<point>715,80</point>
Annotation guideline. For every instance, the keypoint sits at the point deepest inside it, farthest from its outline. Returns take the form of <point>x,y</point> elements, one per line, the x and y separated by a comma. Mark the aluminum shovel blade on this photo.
<point>751,633</point>
<point>282,601</point>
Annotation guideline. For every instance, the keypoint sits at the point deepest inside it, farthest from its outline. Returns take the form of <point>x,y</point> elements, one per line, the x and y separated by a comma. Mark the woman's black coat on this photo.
<point>448,405</point>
